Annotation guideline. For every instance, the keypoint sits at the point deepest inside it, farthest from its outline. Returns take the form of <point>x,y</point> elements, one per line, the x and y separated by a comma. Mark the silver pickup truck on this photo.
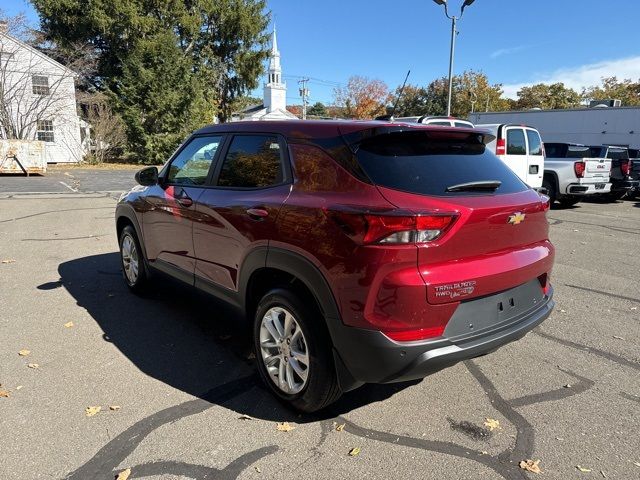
<point>570,173</point>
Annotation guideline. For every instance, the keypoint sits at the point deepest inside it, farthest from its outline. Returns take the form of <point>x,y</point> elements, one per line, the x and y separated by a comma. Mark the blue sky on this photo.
<point>515,42</point>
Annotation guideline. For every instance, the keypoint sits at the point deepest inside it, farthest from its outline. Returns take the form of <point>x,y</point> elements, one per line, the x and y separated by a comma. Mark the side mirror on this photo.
<point>147,177</point>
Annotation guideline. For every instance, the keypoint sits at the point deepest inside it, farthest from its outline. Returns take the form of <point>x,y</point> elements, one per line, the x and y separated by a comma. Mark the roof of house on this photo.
<point>37,52</point>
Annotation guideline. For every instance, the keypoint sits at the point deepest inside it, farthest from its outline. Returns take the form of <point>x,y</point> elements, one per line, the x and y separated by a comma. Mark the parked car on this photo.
<point>570,173</point>
<point>621,182</point>
<point>360,251</point>
<point>434,120</point>
<point>520,147</point>
<point>634,172</point>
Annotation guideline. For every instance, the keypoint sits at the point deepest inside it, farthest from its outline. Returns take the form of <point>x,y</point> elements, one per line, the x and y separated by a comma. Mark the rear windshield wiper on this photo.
<point>471,186</point>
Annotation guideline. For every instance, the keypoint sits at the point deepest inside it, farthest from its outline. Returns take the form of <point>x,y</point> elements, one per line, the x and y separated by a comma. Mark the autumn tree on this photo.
<point>626,91</point>
<point>553,96</point>
<point>362,98</point>
<point>413,101</point>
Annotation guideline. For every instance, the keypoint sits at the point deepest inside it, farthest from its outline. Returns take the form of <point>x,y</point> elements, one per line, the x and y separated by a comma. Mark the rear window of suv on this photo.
<point>427,163</point>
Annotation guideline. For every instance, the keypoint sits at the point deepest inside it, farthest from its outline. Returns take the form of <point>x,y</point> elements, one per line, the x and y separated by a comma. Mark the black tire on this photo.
<point>566,202</point>
<point>321,388</point>
<point>139,284</point>
<point>550,186</point>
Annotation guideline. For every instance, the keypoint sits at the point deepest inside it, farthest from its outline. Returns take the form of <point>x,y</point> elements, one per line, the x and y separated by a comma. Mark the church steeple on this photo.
<point>275,89</point>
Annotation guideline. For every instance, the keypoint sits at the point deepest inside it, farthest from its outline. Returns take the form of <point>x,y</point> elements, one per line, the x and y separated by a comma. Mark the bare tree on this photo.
<point>108,137</point>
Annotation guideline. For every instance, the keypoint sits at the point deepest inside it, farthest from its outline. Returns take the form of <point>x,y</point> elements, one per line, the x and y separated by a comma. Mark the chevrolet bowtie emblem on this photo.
<point>516,218</point>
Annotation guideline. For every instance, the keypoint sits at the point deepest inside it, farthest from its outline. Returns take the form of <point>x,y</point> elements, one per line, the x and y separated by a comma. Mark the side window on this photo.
<point>253,161</point>
<point>462,125</point>
<point>535,144</point>
<point>439,122</point>
<point>515,142</point>
<point>191,166</point>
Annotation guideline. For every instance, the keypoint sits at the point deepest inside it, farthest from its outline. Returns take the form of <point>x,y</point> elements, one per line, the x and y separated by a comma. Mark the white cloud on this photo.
<point>507,51</point>
<point>584,75</point>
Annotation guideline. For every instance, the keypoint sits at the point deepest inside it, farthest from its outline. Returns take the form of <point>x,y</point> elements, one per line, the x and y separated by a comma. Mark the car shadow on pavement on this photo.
<point>186,339</point>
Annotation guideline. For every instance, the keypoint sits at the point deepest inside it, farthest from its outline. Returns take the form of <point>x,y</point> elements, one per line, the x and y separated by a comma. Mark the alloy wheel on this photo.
<point>284,352</point>
<point>130,261</point>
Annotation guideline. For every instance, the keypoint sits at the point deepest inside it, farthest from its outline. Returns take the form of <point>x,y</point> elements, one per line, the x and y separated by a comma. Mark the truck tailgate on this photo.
<point>596,169</point>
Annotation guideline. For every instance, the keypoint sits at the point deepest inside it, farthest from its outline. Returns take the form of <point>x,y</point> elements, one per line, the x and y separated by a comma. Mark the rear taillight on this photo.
<point>387,229</point>
<point>546,202</point>
<point>501,147</point>
<point>404,229</point>
<point>579,167</point>
<point>544,283</point>
<point>624,167</point>
<point>415,335</point>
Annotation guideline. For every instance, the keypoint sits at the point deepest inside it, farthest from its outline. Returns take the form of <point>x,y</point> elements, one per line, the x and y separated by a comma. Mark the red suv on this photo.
<point>360,251</point>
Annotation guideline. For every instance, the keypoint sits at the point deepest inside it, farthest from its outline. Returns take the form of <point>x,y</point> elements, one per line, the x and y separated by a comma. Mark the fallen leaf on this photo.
<point>258,469</point>
<point>244,416</point>
<point>568,385</point>
<point>582,469</point>
<point>91,411</point>
<point>530,466</point>
<point>634,308</point>
<point>24,353</point>
<point>4,394</point>
<point>114,407</point>
<point>124,474</point>
<point>492,424</point>
<point>340,427</point>
<point>563,311</point>
<point>68,325</point>
<point>18,387</point>
<point>33,365</point>
<point>9,260</point>
<point>284,427</point>
<point>354,451</point>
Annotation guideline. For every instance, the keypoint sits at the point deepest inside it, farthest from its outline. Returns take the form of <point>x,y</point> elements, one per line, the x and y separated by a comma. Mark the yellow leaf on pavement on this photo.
<point>91,411</point>
<point>582,469</point>
<point>354,451</point>
<point>33,365</point>
<point>284,427</point>
<point>68,325</point>
<point>530,466</point>
<point>340,427</point>
<point>492,424</point>
<point>4,394</point>
<point>124,474</point>
<point>8,260</point>
<point>24,353</point>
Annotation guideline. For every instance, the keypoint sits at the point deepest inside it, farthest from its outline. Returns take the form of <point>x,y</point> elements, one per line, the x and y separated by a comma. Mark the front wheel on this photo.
<point>132,260</point>
<point>294,353</point>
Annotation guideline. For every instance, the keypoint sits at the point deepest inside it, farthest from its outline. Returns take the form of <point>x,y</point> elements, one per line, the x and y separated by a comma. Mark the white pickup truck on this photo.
<point>570,173</point>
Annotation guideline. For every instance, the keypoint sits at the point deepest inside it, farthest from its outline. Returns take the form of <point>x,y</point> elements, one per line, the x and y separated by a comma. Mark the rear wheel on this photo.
<point>551,190</point>
<point>294,353</point>
<point>132,260</point>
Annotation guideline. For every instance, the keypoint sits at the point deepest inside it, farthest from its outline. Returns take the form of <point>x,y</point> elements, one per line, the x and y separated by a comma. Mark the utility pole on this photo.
<point>304,93</point>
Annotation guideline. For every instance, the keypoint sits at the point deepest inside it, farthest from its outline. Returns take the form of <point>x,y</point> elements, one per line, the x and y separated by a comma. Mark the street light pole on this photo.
<point>451,54</point>
<point>454,21</point>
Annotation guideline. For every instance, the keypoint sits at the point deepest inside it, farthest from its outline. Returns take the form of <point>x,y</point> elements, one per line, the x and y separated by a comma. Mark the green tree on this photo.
<point>414,101</point>
<point>626,90</point>
<point>553,96</point>
<point>317,110</point>
<point>218,46</point>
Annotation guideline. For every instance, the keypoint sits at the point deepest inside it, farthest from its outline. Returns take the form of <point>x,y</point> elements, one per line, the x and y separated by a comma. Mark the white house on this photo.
<point>38,100</point>
<point>274,106</point>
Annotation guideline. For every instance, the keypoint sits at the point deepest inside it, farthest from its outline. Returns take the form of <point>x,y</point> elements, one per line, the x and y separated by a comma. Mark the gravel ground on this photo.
<point>179,367</point>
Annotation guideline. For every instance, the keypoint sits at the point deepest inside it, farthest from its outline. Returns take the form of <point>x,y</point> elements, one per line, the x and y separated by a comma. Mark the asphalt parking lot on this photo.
<point>190,405</point>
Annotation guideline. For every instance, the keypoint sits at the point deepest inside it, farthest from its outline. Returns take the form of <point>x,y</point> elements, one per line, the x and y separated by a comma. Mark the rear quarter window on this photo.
<point>515,142</point>
<point>535,143</point>
<point>428,162</point>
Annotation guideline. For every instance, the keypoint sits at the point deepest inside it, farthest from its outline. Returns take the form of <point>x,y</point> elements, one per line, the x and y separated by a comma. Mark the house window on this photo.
<point>40,85</point>
<point>45,130</point>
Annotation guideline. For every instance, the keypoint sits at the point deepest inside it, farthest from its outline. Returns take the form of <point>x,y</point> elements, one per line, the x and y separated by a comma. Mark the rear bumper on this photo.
<point>371,357</point>
<point>587,189</point>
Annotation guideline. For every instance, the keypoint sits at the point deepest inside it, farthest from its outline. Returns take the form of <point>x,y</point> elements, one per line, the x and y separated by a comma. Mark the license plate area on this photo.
<point>483,314</point>
<point>600,186</point>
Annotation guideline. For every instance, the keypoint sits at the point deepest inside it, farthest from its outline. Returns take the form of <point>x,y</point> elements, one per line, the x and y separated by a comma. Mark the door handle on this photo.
<point>258,213</point>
